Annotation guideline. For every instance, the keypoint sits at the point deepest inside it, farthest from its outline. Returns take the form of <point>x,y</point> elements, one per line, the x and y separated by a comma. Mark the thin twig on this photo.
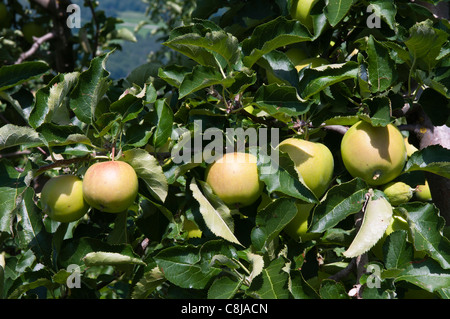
<point>61,163</point>
<point>36,44</point>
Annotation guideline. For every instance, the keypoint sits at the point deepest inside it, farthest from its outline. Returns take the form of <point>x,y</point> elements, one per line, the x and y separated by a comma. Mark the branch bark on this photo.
<point>36,44</point>
<point>63,50</point>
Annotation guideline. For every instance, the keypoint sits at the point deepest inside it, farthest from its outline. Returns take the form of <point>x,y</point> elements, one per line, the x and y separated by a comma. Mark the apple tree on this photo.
<point>229,74</point>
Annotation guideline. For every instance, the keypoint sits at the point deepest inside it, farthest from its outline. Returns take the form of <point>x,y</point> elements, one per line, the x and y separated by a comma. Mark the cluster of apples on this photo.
<point>67,198</point>
<point>374,154</point>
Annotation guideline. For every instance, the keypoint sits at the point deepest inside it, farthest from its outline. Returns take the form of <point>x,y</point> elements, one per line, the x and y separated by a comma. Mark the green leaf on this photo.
<point>92,86</point>
<point>426,229</point>
<point>129,105</point>
<point>59,135</point>
<point>340,202</point>
<point>204,45</point>
<point>189,266</point>
<point>148,283</point>
<point>224,288</point>
<point>162,119</point>
<point>433,159</point>
<point>202,77</point>
<point>13,135</point>
<point>174,74</point>
<point>397,252</point>
<point>285,179</point>
<point>275,99</point>
<point>300,288</point>
<point>336,10</point>
<point>271,36</point>
<point>148,169</point>
<point>317,79</point>
<point>382,71</point>
<point>215,213</point>
<point>16,74</point>
<point>272,283</point>
<point>425,43</point>
<point>386,10</point>
<point>330,289</point>
<point>427,275</point>
<point>271,220</point>
<point>380,111</point>
<point>102,258</point>
<point>11,187</point>
<point>50,99</point>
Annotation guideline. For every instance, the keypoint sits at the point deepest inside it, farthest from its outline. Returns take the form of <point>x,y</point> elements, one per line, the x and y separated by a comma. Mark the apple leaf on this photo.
<point>330,289</point>
<point>103,258</point>
<point>59,135</point>
<point>50,99</point>
<point>426,229</point>
<point>12,75</point>
<point>397,252</point>
<point>215,213</point>
<point>380,111</point>
<point>224,288</point>
<point>425,44</point>
<point>272,35</point>
<point>382,71</point>
<point>285,179</point>
<point>162,120</point>
<point>12,185</point>
<point>386,10</point>
<point>148,283</point>
<point>426,274</point>
<point>188,266</point>
<point>206,46</point>
<point>281,66</point>
<point>148,169</point>
<point>275,99</point>
<point>202,77</point>
<point>336,10</point>
<point>272,283</point>
<point>90,89</point>
<point>13,135</point>
<point>174,74</point>
<point>271,220</point>
<point>433,159</point>
<point>341,201</point>
<point>317,79</point>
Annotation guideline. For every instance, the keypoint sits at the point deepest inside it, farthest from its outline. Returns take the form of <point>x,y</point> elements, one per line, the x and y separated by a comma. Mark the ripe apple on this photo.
<point>62,198</point>
<point>5,16</point>
<point>375,154</point>
<point>410,149</point>
<point>312,160</point>
<point>398,192</point>
<point>234,179</point>
<point>110,186</point>
<point>300,10</point>
<point>32,29</point>
<point>422,192</point>
<point>297,227</point>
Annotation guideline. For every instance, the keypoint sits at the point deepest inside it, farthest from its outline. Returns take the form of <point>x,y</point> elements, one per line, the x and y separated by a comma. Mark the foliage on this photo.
<point>55,123</point>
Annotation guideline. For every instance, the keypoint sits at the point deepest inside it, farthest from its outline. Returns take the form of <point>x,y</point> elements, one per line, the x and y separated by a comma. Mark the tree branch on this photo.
<point>36,44</point>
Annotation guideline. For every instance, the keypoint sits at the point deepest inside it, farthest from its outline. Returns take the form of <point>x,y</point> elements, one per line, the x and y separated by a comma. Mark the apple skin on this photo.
<point>300,10</point>
<point>398,192</point>
<point>62,198</point>
<point>375,154</point>
<point>32,29</point>
<point>192,230</point>
<point>422,192</point>
<point>110,186</point>
<point>313,161</point>
<point>234,179</point>
<point>297,227</point>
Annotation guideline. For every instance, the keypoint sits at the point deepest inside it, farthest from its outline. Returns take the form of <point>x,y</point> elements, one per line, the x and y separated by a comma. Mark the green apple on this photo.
<point>297,227</point>
<point>398,192</point>
<point>62,198</point>
<point>110,186</point>
<point>375,154</point>
<point>296,55</point>
<point>300,10</point>
<point>313,161</point>
<point>5,16</point>
<point>234,179</point>
<point>422,192</point>
<point>32,29</point>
